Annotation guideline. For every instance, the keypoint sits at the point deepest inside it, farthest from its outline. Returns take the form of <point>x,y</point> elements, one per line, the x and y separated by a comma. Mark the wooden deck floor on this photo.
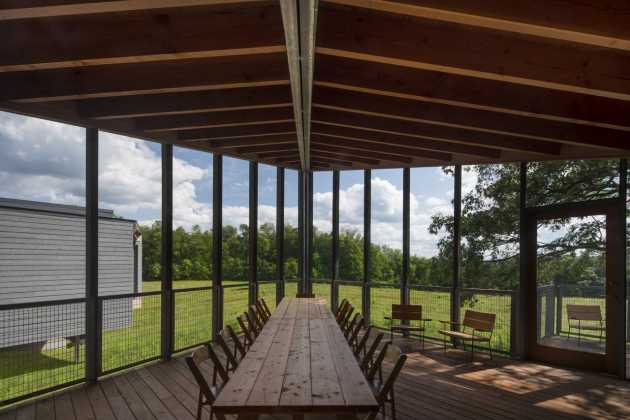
<point>433,385</point>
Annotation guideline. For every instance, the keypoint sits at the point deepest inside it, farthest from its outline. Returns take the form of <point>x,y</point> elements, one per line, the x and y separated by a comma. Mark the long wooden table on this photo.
<point>300,363</point>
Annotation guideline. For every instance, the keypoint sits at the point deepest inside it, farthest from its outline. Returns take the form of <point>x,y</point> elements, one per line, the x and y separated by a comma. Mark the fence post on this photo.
<point>549,311</point>
<point>92,343</point>
<point>457,213</point>
<point>367,230</point>
<point>217,242</point>
<point>558,291</point>
<point>514,322</point>
<point>167,252</point>
<point>335,242</point>
<point>279,234</point>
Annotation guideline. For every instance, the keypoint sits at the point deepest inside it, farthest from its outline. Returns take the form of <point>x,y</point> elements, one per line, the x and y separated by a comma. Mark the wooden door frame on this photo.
<point>614,360</point>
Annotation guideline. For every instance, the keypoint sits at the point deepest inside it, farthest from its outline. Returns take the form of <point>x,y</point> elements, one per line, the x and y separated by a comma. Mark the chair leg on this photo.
<point>490,349</point>
<point>393,405</point>
<point>472,351</point>
<point>199,406</point>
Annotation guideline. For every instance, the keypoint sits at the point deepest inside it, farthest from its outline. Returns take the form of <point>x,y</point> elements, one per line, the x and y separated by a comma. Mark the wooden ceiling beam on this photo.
<point>386,139</point>
<point>472,93</point>
<point>287,155</point>
<point>332,162</point>
<point>366,104</point>
<point>184,103</point>
<point>587,23</point>
<point>283,147</point>
<point>473,52</point>
<point>204,134</point>
<point>237,142</point>
<point>390,149</point>
<point>358,152</point>
<point>140,36</point>
<point>208,119</point>
<point>29,9</point>
<point>209,126</point>
<point>436,133</point>
<point>346,156</point>
<point>144,78</point>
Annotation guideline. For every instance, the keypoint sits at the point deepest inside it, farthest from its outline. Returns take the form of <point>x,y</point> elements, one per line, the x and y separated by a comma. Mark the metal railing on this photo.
<point>322,288</point>
<point>267,291</point>
<point>193,317</point>
<point>382,297</point>
<point>130,330</point>
<point>235,302</point>
<point>436,305</point>
<point>40,347</point>
<point>352,291</point>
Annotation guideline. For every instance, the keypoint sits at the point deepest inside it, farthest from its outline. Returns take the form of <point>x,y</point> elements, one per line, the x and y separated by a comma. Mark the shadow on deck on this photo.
<point>432,385</point>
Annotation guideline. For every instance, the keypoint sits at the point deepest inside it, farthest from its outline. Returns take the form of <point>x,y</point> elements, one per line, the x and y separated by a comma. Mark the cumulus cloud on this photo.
<point>43,160</point>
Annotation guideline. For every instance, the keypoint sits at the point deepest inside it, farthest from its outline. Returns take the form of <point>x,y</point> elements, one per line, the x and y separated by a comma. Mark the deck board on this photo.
<point>438,385</point>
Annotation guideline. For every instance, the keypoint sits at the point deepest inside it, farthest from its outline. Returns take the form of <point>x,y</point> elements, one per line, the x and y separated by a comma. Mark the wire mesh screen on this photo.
<point>235,302</point>
<point>382,297</point>
<point>193,317</point>
<point>321,289</point>
<point>496,302</point>
<point>352,292</point>
<point>131,329</point>
<point>41,347</point>
<point>267,291</point>
<point>579,295</point>
<point>290,288</point>
<point>436,306</point>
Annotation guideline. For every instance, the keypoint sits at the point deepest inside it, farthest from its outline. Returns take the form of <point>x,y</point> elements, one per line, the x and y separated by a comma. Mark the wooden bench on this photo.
<point>476,327</point>
<point>591,314</point>
<point>405,314</point>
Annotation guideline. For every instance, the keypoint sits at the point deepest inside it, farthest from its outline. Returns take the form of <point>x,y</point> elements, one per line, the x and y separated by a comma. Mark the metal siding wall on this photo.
<point>42,258</point>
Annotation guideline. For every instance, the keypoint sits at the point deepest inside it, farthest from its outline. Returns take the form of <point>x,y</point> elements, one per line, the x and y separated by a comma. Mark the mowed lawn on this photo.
<point>138,334</point>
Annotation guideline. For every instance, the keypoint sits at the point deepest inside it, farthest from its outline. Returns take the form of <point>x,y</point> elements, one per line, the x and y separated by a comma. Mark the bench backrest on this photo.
<point>480,321</point>
<point>584,312</point>
<point>407,312</point>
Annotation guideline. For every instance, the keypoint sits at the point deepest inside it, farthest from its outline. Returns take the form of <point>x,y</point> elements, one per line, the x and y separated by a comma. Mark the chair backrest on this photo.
<point>238,346</point>
<point>398,359</point>
<point>194,362</point>
<point>245,327</point>
<point>340,306</point>
<point>230,356</point>
<point>480,321</point>
<point>362,343</point>
<point>304,295</point>
<point>349,327</point>
<point>252,318</point>
<point>257,316</point>
<point>265,306</point>
<point>407,312</point>
<point>341,313</point>
<point>374,340</point>
<point>354,334</point>
<point>584,312</point>
<point>346,317</point>
<point>262,313</point>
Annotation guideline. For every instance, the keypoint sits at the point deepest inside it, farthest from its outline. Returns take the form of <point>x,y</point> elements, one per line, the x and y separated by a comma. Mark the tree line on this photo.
<point>573,253</point>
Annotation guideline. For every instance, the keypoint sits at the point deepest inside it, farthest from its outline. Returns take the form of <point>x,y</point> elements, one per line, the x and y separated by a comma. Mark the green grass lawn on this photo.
<point>28,370</point>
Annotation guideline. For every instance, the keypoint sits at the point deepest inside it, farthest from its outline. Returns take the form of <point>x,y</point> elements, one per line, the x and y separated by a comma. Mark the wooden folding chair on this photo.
<point>368,347</point>
<point>264,304</point>
<point>384,389</point>
<point>354,334</point>
<point>262,313</point>
<point>207,393</point>
<point>239,348</point>
<point>250,337</point>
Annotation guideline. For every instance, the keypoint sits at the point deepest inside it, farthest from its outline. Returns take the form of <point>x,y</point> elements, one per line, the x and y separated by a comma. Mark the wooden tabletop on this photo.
<point>300,363</point>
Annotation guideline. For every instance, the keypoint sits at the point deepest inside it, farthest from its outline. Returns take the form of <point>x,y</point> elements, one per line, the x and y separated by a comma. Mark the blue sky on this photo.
<point>44,161</point>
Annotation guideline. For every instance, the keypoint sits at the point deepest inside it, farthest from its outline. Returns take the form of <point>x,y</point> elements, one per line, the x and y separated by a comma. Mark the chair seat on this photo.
<point>406,328</point>
<point>589,327</point>
<point>464,336</point>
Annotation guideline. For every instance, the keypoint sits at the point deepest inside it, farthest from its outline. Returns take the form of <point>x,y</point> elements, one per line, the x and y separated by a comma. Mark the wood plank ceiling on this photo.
<point>330,84</point>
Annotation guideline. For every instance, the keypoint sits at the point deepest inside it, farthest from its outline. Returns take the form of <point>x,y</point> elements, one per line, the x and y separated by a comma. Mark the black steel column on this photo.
<point>279,234</point>
<point>404,281</point>
<point>217,241</point>
<point>519,322</point>
<point>92,321</point>
<point>457,214</point>
<point>367,238</point>
<point>335,241</point>
<point>253,233</point>
<point>167,252</point>
<point>623,195</point>
<point>301,236</point>
<point>309,232</point>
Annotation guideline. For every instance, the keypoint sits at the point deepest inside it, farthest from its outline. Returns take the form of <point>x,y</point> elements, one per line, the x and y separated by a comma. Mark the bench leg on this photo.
<point>490,349</point>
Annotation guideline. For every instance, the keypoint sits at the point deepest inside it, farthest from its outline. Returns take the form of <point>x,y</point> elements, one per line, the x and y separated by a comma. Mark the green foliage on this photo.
<point>490,237</point>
